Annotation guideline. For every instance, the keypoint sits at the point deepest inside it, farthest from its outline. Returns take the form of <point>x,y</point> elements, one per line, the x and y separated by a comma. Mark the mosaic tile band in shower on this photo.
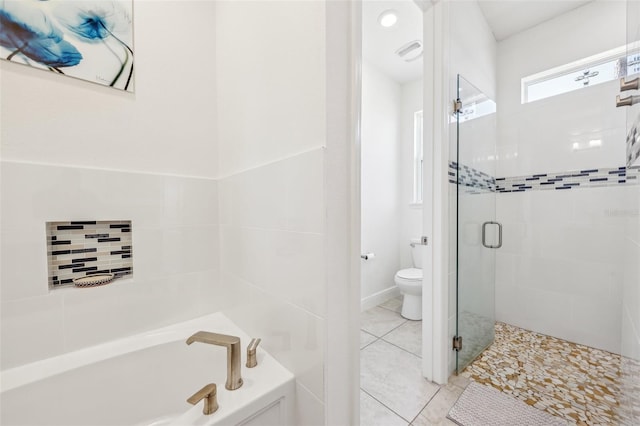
<point>589,178</point>
<point>471,178</point>
<point>475,181</point>
<point>81,248</point>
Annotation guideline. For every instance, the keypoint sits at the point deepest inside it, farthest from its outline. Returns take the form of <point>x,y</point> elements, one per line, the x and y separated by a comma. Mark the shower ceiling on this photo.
<point>509,17</point>
<point>505,18</point>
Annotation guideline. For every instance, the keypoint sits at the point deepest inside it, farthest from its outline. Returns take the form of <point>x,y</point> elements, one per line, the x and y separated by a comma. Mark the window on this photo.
<point>590,71</point>
<point>474,108</point>
<point>418,162</point>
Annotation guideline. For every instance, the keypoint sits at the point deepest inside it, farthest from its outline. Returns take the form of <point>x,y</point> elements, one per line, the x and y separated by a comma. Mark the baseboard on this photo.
<point>379,297</point>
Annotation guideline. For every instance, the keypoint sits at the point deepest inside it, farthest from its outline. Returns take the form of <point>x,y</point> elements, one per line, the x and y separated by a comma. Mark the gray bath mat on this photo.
<point>485,406</point>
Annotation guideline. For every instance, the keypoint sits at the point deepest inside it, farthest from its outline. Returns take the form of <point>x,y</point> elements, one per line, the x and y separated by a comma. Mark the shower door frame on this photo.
<point>481,235</point>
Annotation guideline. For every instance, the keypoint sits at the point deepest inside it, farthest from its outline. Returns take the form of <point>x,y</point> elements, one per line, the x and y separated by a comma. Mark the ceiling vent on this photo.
<point>410,51</point>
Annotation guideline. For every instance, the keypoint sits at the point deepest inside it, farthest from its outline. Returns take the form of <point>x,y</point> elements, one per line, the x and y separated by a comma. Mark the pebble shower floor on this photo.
<point>577,383</point>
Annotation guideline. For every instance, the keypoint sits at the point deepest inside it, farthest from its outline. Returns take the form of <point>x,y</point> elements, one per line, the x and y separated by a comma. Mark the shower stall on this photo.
<point>545,190</point>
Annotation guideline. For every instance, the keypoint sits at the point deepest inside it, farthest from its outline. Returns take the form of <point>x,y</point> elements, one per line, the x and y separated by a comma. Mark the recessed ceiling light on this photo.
<point>388,18</point>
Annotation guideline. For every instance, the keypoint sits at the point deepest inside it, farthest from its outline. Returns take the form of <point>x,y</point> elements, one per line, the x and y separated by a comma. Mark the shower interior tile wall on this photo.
<point>77,249</point>
<point>560,269</point>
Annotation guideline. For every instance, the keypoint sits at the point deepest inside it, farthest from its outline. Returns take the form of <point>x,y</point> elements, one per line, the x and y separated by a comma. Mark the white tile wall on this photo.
<point>563,258</point>
<point>32,329</point>
<point>631,285</point>
<point>560,270</point>
<point>309,409</point>
<point>531,137</point>
<point>271,105</point>
<point>175,234</point>
<point>273,261</point>
<point>292,335</point>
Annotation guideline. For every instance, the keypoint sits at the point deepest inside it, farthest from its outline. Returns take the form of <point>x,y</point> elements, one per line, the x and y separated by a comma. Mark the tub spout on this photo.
<point>232,343</point>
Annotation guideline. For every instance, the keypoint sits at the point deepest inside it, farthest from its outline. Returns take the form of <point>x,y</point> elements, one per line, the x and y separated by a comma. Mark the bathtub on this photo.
<point>146,380</point>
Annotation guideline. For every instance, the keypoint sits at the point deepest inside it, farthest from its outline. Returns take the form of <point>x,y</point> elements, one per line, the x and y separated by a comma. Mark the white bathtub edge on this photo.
<point>38,370</point>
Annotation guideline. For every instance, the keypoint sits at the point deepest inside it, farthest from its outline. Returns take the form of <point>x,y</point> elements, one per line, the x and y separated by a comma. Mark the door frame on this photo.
<point>436,352</point>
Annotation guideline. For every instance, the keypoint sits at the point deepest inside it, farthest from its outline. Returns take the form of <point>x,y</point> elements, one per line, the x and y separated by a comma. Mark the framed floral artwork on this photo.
<point>87,39</point>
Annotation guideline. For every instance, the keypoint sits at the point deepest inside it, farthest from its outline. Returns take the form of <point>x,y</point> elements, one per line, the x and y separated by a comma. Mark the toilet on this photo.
<point>409,281</point>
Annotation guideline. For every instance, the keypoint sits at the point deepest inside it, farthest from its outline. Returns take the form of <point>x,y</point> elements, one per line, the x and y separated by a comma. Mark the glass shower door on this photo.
<point>629,395</point>
<point>478,234</point>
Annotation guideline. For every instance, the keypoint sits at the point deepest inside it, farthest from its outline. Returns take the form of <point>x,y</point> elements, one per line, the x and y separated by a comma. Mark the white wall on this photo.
<point>410,214</point>
<point>167,127</point>
<point>271,102</point>
<point>472,54</point>
<point>380,179</point>
<point>560,270</point>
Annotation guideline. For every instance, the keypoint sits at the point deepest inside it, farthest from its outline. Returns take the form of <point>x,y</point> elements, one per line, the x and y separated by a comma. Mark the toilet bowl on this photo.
<point>409,281</point>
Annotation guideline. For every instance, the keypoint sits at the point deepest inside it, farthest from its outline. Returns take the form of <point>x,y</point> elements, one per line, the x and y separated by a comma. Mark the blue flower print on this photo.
<point>27,32</point>
<point>94,21</point>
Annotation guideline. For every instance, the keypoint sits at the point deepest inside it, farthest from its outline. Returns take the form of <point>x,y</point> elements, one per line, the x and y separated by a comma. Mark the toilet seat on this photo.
<point>409,281</point>
<point>410,274</point>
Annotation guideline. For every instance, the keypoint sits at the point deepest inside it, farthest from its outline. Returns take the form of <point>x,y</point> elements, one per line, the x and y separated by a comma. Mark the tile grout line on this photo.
<point>370,343</point>
<point>389,309</point>
<point>388,342</point>
<point>404,321</point>
<point>395,328</point>
<point>426,405</point>
<point>400,347</point>
<point>388,408</point>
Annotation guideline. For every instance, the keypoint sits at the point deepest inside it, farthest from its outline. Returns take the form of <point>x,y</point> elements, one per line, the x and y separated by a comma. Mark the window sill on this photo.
<point>415,205</point>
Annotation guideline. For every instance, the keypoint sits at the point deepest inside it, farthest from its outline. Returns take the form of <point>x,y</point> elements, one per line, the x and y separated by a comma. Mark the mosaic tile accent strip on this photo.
<point>475,181</point>
<point>471,178</point>
<point>588,178</point>
<point>579,384</point>
<point>83,248</point>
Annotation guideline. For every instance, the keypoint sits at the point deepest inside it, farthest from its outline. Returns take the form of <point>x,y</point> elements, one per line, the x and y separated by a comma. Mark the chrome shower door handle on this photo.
<point>484,235</point>
<point>629,85</point>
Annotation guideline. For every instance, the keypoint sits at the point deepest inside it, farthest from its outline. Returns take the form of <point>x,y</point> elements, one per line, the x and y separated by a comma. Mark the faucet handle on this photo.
<point>629,85</point>
<point>209,393</point>
<point>251,352</point>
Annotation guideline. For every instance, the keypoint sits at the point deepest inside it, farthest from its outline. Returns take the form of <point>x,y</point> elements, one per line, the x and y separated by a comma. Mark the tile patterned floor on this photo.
<point>575,382</point>
<point>392,389</point>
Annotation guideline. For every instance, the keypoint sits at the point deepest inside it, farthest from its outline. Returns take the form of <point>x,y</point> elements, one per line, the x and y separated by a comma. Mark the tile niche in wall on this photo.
<point>82,248</point>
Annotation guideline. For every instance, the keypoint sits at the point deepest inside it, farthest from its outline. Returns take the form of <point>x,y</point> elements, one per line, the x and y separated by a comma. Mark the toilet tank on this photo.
<point>416,252</point>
